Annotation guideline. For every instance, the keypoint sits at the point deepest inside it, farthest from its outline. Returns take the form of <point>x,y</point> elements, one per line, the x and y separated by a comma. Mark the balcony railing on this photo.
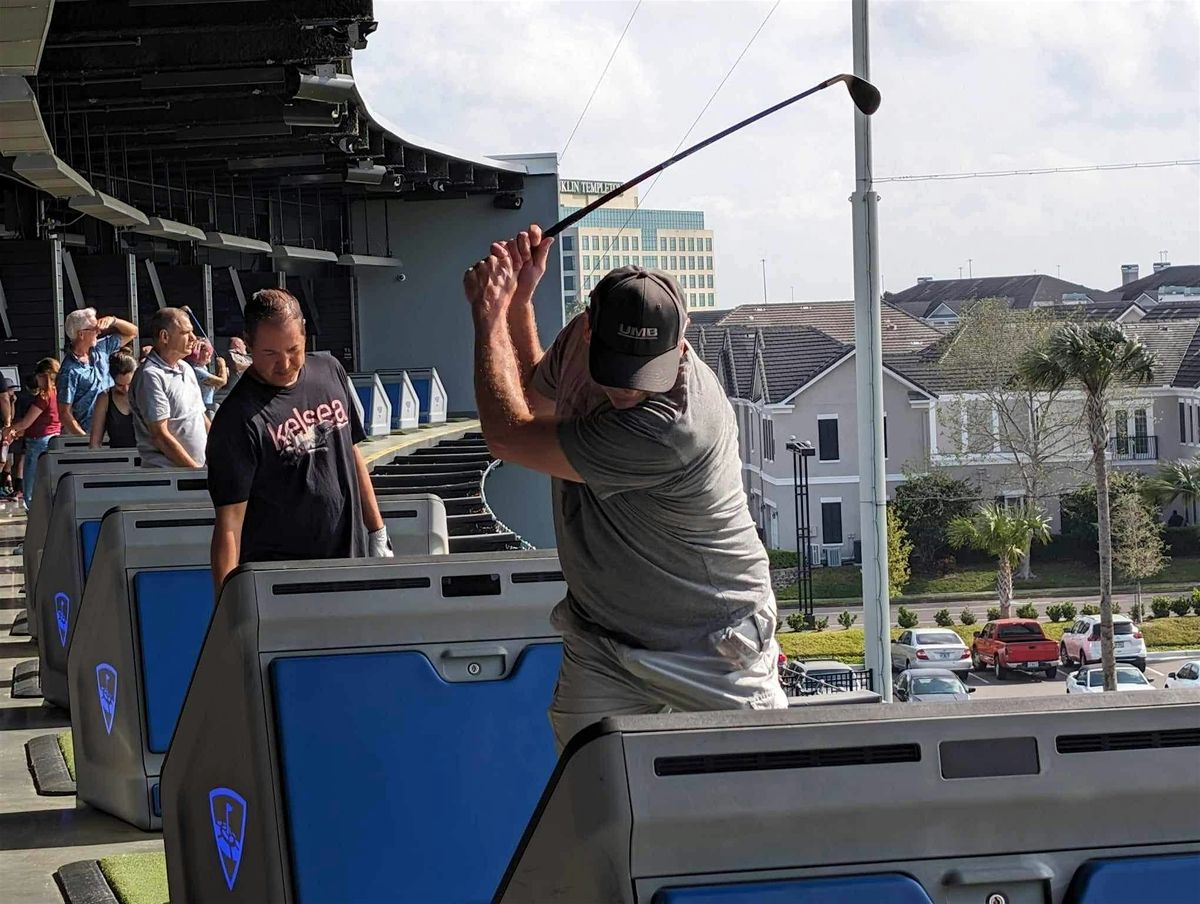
<point>1134,448</point>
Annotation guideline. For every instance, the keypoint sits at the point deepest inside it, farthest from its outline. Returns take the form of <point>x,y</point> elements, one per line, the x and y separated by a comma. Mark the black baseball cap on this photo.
<point>638,317</point>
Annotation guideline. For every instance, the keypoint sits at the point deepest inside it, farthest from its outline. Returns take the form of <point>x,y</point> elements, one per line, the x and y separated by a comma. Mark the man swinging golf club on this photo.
<point>669,603</point>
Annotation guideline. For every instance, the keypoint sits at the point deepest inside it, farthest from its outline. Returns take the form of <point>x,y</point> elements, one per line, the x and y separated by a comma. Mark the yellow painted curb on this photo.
<point>375,449</point>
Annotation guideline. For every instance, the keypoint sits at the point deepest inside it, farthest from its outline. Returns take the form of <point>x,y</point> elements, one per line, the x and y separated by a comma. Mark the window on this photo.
<point>672,243</point>
<point>625,260</point>
<point>710,285</point>
<point>691,262</point>
<point>634,242</point>
<point>1195,421</point>
<point>587,282</point>
<point>568,262</point>
<point>885,451</point>
<point>624,243</point>
<point>768,430</point>
<point>637,261</point>
<point>692,281</point>
<point>831,522</point>
<point>711,303</point>
<point>587,262</point>
<point>568,243</point>
<point>692,299</point>
<point>708,263</point>
<point>606,264</point>
<point>827,439</point>
<point>691,244</point>
<point>584,242</point>
<point>673,259</point>
<point>662,244</point>
<point>569,283</point>
<point>708,244</point>
<point>1183,418</point>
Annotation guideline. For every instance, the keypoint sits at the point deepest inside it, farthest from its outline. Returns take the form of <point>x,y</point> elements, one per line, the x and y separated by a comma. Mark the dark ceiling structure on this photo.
<point>234,124</point>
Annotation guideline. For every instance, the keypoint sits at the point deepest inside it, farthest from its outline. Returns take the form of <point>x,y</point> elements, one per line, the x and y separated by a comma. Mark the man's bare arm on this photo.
<point>67,418</point>
<point>372,518</point>
<point>123,328</point>
<point>169,446</point>
<point>226,547</point>
<point>99,419</point>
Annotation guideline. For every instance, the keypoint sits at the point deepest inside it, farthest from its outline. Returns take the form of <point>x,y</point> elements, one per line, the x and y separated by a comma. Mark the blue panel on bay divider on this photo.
<point>1166,879</point>
<point>89,533</point>
<point>384,762</point>
<point>173,612</point>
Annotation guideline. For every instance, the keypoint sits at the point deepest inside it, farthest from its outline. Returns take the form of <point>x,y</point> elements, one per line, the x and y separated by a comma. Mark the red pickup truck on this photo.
<point>1014,644</point>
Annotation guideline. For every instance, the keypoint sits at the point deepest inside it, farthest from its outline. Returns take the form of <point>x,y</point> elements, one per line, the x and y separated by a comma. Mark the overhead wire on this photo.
<point>603,73</point>
<point>686,134</point>
<point>1037,171</point>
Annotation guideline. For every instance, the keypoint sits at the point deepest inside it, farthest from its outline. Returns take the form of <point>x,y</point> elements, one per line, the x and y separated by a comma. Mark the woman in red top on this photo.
<point>39,423</point>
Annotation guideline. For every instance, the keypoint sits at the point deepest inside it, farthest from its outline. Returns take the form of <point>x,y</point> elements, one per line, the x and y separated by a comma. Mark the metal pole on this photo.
<point>868,340</point>
<point>764,268</point>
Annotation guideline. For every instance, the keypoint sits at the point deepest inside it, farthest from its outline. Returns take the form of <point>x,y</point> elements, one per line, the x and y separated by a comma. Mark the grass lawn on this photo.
<point>846,582</point>
<point>1161,634</point>
<point>67,746</point>
<point>137,878</point>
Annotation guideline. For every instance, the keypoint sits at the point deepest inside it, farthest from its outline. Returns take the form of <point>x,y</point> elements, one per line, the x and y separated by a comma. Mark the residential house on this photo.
<point>940,301</point>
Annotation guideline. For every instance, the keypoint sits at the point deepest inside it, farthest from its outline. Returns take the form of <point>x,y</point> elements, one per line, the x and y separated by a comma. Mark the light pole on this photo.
<point>764,269</point>
<point>868,340</point>
<point>802,451</point>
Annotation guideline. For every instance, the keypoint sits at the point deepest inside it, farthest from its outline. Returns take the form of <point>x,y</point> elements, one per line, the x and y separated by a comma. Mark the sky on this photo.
<point>967,86</point>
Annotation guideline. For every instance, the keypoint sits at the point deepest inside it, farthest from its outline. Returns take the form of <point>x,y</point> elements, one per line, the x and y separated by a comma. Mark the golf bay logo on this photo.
<point>228,810</point>
<point>106,686</point>
<point>62,616</point>
<point>637,332</point>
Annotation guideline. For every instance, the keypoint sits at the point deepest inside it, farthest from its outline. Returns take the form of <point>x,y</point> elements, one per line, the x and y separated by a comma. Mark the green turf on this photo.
<point>1161,634</point>
<point>846,582</point>
<point>137,878</point>
<point>67,746</point>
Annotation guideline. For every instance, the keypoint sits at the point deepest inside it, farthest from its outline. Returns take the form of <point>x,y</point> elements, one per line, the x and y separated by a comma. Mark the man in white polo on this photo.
<point>168,411</point>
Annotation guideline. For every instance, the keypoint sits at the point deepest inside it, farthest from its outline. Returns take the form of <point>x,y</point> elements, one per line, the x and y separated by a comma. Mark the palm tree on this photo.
<point>1176,480</point>
<point>1101,357</point>
<point>1005,534</point>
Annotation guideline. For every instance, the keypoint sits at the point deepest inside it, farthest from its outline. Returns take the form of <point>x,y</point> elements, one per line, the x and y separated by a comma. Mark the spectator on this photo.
<point>16,450</point>
<point>8,400</point>
<point>283,473</point>
<point>210,379</point>
<point>168,413</point>
<point>84,373</point>
<point>238,356</point>
<point>39,423</point>
<point>113,414</point>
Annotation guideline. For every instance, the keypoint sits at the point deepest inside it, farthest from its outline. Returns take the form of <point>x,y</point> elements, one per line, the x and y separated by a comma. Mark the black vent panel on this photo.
<point>1128,740</point>
<point>761,761</point>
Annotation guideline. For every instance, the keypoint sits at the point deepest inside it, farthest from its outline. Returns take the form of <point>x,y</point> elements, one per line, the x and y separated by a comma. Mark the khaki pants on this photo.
<point>734,668</point>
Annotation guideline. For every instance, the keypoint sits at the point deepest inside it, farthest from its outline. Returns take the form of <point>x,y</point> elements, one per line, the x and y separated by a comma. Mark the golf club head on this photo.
<point>863,93</point>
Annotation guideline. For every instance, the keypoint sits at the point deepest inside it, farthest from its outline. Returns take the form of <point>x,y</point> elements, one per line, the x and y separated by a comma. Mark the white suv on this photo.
<point>1081,642</point>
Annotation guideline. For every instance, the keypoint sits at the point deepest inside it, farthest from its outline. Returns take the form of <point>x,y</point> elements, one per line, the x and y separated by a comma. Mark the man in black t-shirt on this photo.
<point>283,473</point>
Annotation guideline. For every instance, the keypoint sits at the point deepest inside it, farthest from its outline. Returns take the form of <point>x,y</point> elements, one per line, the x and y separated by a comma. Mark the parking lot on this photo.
<point>1018,685</point>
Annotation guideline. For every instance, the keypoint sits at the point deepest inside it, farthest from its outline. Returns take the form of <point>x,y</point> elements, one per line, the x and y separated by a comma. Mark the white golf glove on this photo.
<point>379,545</point>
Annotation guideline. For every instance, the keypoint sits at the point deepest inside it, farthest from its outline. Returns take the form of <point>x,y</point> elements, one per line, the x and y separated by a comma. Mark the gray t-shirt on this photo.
<point>657,547</point>
<point>160,392</point>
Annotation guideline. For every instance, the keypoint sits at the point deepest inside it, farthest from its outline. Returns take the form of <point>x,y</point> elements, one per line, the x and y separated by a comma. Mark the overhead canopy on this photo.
<point>249,105</point>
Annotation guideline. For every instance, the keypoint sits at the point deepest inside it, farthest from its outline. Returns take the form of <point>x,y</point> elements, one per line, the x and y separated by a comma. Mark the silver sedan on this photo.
<point>930,686</point>
<point>930,648</point>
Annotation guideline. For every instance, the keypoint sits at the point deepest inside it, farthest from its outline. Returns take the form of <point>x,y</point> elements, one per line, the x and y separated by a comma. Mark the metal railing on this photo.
<point>1138,447</point>
<point>797,681</point>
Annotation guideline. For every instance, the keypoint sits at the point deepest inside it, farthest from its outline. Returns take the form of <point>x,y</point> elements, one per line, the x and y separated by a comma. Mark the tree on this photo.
<point>1176,481</point>
<point>1035,433</point>
<point>1003,533</point>
<point>1077,509</point>
<point>1101,357</point>
<point>899,549</point>
<point>1138,548</point>
<point>925,504</point>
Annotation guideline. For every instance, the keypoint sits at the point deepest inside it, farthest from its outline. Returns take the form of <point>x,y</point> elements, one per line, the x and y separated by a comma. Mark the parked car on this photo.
<point>930,648</point>
<point>1014,644</point>
<point>926,685</point>
<point>1090,680</point>
<point>1188,675</point>
<point>1081,641</point>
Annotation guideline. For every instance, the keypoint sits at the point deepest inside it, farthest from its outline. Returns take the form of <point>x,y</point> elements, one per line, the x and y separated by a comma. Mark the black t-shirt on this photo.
<point>289,453</point>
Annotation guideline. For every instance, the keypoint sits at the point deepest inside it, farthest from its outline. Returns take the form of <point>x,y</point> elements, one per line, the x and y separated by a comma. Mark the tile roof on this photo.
<point>1177,310</point>
<point>1096,310</point>
<point>1176,347</point>
<point>1187,275</point>
<point>790,356</point>
<point>1032,290</point>
<point>901,332</point>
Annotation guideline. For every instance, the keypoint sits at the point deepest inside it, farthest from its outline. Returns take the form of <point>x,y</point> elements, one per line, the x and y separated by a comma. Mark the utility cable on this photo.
<point>596,87</point>
<point>1041,171</point>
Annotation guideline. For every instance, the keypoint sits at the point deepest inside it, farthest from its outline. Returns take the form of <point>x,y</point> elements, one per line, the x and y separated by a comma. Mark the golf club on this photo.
<point>863,93</point>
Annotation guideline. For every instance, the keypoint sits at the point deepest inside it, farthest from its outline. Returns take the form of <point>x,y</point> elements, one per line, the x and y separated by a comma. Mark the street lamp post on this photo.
<point>802,451</point>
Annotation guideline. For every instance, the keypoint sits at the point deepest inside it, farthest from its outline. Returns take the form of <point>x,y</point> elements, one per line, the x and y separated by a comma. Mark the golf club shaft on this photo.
<point>604,199</point>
